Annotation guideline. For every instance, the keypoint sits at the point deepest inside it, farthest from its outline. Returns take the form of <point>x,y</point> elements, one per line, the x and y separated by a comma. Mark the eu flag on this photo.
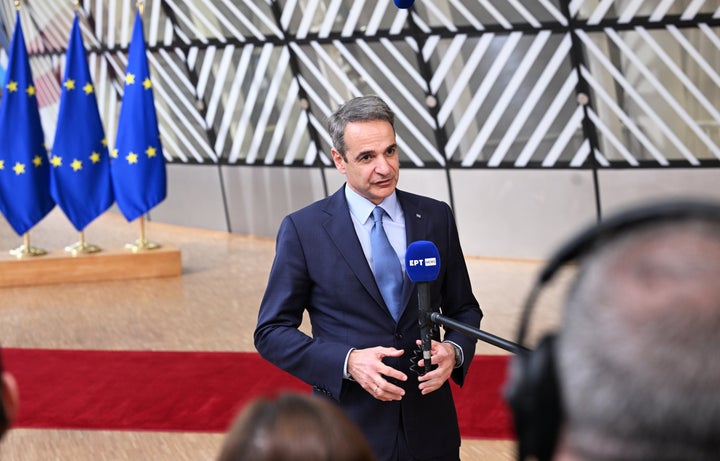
<point>80,164</point>
<point>138,166</point>
<point>24,174</point>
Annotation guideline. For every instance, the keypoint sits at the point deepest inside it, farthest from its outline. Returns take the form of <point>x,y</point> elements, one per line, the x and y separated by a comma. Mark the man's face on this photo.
<point>372,166</point>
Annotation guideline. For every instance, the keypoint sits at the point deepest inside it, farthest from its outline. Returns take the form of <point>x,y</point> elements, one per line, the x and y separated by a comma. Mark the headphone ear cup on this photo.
<point>533,395</point>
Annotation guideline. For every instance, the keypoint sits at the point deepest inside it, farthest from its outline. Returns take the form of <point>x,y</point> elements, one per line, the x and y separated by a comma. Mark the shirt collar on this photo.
<point>361,208</point>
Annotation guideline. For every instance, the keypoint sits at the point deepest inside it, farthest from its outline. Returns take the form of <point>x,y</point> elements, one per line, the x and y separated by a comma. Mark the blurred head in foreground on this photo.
<point>294,427</point>
<point>637,353</point>
<point>8,400</point>
<point>632,373</point>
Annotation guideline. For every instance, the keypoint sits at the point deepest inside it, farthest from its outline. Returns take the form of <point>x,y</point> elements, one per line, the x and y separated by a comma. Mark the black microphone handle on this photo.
<point>476,333</point>
<point>425,323</point>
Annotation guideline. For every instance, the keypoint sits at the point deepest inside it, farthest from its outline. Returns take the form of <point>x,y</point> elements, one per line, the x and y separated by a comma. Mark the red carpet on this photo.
<point>192,391</point>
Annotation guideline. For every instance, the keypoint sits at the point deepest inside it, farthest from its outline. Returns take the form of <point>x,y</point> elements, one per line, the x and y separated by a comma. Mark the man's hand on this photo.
<point>442,354</point>
<point>367,368</point>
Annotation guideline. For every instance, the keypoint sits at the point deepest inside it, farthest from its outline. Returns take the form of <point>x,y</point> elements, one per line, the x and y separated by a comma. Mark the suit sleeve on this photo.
<point>458,301</point>
<point>277,338</point>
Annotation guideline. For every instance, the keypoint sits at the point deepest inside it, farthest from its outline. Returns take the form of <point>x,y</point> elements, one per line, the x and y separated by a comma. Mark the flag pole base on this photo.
<point>27,251</point>
<point>82,248</point>
<point>141,245</point>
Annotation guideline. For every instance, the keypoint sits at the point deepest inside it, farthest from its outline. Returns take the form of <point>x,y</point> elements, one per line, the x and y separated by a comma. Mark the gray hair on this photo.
<point>637,353</point>
<point>360,109</point>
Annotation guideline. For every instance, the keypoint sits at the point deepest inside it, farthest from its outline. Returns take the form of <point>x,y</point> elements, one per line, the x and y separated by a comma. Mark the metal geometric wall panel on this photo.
<point>666,116</point>
<point>334,72</point>
<point>474,83</point>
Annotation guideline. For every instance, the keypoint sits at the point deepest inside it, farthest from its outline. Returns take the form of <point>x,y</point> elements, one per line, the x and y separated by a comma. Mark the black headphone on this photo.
<point>532,391</point>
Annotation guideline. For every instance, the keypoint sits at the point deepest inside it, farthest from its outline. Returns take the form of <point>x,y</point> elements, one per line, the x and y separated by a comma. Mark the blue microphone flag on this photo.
<point>422,261</point>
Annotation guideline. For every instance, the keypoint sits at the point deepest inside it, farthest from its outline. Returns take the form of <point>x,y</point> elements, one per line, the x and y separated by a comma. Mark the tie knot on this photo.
<point>378,214</point>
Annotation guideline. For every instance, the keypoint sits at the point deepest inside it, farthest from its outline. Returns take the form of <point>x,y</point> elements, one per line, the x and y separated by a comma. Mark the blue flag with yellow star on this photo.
<point>79,160</point>
<point>24,174</point>
<point>138,165</point>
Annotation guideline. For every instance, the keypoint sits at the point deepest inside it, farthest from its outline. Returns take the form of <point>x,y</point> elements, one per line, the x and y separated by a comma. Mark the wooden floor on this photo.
<point>212,306</point>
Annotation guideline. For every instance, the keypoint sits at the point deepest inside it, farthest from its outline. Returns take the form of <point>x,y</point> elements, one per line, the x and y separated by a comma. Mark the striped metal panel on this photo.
<point>474,83</point>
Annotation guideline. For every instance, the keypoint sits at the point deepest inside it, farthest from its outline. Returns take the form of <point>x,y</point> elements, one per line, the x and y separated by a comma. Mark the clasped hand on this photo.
<point>367,368</point>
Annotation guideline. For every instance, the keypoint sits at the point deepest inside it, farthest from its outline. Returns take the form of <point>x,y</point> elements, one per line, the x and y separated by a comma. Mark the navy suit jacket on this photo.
<point>320,268</point>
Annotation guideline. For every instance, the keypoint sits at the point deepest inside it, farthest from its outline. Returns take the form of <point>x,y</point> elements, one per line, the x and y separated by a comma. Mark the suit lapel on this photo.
<point>341,230</point>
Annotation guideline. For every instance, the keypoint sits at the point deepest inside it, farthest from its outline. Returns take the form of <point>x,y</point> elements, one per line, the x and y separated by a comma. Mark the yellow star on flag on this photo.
<point>76,165</point>
<point>88,88</point>
<point>147,83</point>
<point>69,84</point>
<point>132,158</point>
<point>19,168</point>
<point>151,152</point>
<point>129,79</point>
<point>37,160</point>
<point>12,86</point>
<point>114,153</point>
<point>94,157</point>
<point>104,142</point>
<point>30,90</point>
<point>56,161</point>
<point>2,164</point>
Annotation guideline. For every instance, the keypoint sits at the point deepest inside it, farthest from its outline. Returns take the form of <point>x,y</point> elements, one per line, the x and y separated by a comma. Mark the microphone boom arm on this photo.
<point>476,333</point>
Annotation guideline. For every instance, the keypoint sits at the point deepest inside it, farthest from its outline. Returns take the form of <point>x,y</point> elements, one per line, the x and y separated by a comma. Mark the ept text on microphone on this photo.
<point>422,264</point>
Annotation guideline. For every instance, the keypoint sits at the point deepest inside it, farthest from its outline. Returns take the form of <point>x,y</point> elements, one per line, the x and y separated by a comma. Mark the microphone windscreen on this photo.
<point>422,261</point>
<point>404,4</point>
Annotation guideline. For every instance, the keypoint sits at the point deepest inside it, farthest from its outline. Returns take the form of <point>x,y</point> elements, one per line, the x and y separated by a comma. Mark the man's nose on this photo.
<point>382,165</point>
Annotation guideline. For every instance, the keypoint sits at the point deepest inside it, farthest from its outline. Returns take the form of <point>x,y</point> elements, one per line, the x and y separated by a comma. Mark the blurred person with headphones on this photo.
<point>632,373</point>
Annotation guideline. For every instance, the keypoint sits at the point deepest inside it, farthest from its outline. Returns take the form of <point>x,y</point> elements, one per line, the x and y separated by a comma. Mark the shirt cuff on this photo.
<point>460,362</point>
<point>347,375</point>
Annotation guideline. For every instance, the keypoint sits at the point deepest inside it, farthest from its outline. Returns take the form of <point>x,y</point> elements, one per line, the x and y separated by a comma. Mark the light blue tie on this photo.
<point>388,272</point>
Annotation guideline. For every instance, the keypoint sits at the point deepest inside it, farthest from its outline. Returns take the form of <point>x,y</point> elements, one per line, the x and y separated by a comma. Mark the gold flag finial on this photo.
<point>140,6</point>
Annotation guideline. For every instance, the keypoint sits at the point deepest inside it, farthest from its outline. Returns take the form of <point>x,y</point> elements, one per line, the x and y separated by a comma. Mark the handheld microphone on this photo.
<point>404,4</point>
<point>422,264</point>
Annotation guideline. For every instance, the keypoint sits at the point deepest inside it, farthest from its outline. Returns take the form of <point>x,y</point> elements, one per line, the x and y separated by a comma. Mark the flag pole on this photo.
<point>142,243</point>
<point>82,247</point>
<point>25,250</point>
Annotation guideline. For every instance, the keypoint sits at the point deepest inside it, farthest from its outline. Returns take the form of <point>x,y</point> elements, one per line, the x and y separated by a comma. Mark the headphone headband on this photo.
<point>619,223</point>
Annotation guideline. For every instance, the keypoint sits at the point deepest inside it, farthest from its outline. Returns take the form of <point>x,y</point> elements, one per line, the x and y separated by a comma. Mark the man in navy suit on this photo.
<point>358,354</point>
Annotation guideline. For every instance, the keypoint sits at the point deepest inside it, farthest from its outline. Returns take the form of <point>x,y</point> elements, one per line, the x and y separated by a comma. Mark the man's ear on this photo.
<point>339,162</point>
<point>10,399</point>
